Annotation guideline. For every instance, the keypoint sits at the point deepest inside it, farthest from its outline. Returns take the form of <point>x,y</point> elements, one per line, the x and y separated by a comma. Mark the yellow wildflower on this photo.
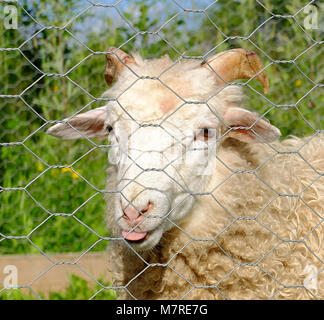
<point>74,175</point>
<point>66,170</point>
<point>298,83</point>
<point>39,166</point>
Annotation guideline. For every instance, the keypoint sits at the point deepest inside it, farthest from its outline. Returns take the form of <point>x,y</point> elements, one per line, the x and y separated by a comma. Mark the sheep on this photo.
<point>203,200</point>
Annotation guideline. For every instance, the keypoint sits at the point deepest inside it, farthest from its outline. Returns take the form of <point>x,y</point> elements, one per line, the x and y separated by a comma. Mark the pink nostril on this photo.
<point>130,213</point>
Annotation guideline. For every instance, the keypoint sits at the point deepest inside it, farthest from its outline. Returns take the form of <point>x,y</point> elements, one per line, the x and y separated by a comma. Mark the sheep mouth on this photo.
<point>135,237</point>
<point>145,241</point>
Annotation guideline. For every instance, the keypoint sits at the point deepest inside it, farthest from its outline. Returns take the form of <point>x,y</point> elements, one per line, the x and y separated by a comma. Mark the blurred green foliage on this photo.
<point>32,92</point>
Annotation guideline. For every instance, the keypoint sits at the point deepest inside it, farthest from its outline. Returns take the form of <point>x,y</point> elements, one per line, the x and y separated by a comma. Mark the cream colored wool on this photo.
<point>250,259</point>
<point>254,235</point>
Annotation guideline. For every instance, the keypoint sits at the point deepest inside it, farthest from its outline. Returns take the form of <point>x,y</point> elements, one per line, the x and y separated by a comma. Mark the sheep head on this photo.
<point>166,124</point>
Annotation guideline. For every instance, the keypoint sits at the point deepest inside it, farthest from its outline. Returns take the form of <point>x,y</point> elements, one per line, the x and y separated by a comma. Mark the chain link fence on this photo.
<point>52,57</point>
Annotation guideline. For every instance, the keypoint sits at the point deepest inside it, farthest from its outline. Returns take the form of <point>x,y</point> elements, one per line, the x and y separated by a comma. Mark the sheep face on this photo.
<point>165,128</point>
<point>160,166</point>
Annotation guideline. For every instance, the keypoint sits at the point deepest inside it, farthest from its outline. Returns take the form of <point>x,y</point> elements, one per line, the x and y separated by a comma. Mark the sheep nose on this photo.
<point>134,216</point>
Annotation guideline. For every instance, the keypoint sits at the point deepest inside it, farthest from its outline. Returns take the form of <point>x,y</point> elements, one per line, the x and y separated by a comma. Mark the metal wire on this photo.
<point>94,146</point>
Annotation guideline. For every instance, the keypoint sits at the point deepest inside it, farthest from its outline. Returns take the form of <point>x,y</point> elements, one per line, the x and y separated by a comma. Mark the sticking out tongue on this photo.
<point>133,236</point>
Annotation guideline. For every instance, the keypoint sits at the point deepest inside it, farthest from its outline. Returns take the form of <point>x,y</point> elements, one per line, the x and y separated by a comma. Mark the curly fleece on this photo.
<point>255,236</point>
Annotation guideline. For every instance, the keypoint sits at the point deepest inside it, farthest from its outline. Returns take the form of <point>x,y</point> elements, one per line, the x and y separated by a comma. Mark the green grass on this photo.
<point>35,211</point>
<point>78,289</point>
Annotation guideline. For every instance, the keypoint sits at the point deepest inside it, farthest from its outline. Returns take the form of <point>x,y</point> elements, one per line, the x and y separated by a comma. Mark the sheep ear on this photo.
<point>115,63</point>
<point>90,124</point>
<point>248,127</point>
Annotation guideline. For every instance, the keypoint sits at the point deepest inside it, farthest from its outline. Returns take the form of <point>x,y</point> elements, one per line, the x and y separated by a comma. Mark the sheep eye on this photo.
<point>205,134</point>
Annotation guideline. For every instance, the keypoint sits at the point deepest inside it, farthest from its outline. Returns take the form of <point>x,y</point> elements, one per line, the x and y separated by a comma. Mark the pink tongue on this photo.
<point>133,236</point>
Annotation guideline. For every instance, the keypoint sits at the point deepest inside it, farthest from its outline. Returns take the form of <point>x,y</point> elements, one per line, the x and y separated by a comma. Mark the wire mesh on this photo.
<point>52,192</point>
